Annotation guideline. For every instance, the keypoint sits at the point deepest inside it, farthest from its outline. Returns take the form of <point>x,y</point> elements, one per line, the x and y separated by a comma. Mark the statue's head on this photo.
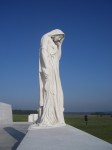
<point>57,37</point>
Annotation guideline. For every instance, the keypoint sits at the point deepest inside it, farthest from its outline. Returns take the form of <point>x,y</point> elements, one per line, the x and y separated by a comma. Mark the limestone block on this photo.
<point>32,117</point>
<point>35,117</point>
<point>5,113</point>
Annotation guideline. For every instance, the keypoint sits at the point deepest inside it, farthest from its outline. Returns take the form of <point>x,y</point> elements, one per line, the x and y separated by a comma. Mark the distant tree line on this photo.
<point>89,113</point>
<point>27,112</point>
<point>101,113</point>
<point>24,112</point>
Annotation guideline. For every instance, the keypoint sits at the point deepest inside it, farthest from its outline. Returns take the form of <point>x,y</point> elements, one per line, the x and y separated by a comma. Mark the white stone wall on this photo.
<point>5,113</point>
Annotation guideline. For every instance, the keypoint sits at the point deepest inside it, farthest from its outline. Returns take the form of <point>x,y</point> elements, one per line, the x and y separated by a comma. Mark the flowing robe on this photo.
<point>51,94</point>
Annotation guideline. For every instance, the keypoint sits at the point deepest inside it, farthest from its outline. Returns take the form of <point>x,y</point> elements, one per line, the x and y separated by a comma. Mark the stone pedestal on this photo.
<point>62,138</point>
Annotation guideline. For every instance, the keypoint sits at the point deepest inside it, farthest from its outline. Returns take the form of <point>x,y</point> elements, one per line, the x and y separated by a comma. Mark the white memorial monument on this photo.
<point>51,94</point>
<point>51,107</point>
<point>5,113</point>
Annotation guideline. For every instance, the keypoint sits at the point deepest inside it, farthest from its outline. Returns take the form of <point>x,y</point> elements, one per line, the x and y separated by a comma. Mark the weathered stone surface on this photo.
<point>62,138</point>
<point>5,113</point>
<point>11,135</point>
<point>32,118</point>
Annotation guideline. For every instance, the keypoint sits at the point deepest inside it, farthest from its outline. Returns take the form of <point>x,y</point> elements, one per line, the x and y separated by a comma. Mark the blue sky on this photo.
<point>86,63</point>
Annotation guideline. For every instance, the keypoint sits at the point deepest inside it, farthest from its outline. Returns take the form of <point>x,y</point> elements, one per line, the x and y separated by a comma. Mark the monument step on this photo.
<point>62,138</point>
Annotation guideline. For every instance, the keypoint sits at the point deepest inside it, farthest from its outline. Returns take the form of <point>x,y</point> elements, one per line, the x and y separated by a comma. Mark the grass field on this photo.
<point>98,126</point>
<point>20,118</point>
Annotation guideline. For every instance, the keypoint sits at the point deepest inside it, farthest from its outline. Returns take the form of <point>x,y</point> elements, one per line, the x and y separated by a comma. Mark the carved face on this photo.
<point>57,38</point>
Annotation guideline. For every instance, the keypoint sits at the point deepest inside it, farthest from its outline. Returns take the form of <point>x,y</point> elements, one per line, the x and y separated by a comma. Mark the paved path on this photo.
<point>11,135</point>
<point>62,138</point>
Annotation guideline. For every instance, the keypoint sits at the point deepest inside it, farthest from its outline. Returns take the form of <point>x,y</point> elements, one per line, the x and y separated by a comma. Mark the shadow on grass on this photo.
<point>17,135</point>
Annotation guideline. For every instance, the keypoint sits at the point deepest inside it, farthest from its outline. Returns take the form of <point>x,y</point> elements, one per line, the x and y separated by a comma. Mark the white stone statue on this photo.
<point>51,94</point>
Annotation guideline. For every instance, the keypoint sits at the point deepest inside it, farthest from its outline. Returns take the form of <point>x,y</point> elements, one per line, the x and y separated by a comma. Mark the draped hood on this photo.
<point>55,32</point>
<point>48,35</point>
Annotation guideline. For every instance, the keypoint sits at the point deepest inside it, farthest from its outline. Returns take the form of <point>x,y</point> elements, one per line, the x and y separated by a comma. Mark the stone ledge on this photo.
<point>62,138</point>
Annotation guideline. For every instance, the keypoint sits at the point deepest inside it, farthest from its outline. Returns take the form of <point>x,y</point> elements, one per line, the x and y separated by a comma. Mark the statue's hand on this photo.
<point>58,44</point>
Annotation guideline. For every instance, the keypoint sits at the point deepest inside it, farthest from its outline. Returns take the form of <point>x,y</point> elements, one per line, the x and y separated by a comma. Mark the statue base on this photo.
<point>63,138</point>
<point>41,126</point>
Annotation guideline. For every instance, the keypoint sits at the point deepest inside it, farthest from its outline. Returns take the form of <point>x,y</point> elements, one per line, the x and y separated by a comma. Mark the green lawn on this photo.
<point>98,126</point>
<point>20,118</point>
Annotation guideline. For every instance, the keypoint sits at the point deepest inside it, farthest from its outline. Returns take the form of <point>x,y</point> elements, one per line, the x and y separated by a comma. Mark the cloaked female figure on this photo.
<point>51,94</point>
